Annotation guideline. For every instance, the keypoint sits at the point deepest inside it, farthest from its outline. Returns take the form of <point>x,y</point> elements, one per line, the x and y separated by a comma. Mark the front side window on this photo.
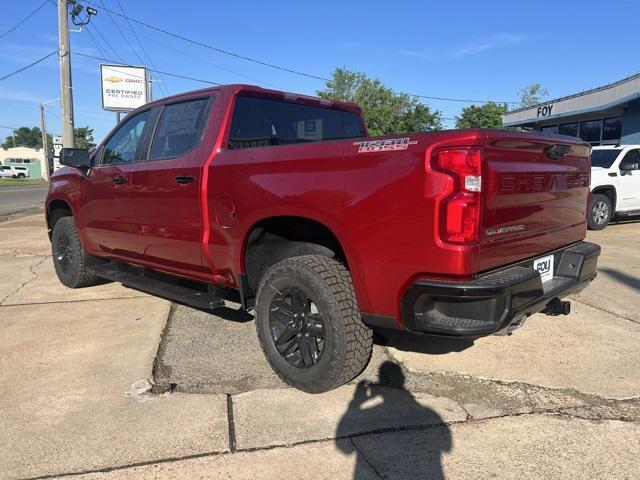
<point>179,129</point>
<point>263,122</point>
<point>632,156</point>
<point>123,145</point>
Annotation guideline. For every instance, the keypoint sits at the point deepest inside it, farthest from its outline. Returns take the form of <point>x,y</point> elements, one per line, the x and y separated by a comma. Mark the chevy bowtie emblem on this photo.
<point>385,145</point>
<point>113,79</point>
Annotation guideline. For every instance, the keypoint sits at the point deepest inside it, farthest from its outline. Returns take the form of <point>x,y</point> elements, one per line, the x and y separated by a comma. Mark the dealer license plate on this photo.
<point>544,266</point>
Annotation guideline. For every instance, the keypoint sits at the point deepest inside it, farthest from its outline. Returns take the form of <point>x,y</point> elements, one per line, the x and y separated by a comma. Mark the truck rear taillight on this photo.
<point>460,211</point>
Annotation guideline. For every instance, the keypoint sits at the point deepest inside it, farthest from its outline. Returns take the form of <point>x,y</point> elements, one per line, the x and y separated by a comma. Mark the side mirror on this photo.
<point>628,166</point>
<point>75,157</point>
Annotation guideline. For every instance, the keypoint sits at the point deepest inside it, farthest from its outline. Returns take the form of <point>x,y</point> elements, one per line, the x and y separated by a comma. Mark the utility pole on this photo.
<point>66,93</point>
<point>44,165</point>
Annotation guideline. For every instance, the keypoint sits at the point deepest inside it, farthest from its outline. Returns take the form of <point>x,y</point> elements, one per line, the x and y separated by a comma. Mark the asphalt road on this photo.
<point>21,199</point>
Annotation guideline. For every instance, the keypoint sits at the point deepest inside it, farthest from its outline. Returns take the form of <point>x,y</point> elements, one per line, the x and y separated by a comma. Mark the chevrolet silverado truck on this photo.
<point>615,184</point>
<point>282,203</point>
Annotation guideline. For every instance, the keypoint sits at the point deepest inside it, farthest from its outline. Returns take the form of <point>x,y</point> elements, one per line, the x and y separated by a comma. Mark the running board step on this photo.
<point>161,285</point>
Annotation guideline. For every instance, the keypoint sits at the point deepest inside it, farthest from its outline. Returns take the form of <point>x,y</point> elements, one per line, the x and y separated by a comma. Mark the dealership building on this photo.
<point>606,115</point>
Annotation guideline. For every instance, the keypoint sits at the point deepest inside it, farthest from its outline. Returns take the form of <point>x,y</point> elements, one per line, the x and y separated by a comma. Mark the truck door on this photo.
<point>104,216</point>
<point>165,191</point>
<point>629,183</point>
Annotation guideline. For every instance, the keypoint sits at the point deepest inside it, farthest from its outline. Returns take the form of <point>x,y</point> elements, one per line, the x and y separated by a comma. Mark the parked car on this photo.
<point>5,171</point>
<point>12,171</point>
<point>281,202</point>
<point>615,184</point>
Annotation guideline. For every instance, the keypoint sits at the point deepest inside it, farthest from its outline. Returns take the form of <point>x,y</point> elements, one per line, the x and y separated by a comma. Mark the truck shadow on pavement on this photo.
<point>429,344</point>
<point>395,455</point>
<point>621,277</point>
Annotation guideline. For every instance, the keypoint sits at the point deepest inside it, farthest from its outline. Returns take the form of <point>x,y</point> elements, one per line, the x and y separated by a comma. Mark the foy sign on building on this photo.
<point>123,88</point>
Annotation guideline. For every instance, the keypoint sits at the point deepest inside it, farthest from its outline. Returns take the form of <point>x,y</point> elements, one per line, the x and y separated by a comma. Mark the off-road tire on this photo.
<point>73,272</point>
<point>347,340</point>
<point>599,212</point>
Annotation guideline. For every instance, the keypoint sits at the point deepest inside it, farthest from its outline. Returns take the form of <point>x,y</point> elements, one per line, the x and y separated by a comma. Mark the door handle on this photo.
<point>120,180</point>
<point>182,179</point>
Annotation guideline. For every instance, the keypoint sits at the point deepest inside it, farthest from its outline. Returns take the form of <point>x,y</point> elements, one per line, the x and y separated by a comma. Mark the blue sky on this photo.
<point>464,49</point>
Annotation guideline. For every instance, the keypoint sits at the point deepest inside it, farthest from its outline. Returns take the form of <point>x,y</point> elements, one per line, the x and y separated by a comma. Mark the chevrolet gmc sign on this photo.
<point>123,88</point>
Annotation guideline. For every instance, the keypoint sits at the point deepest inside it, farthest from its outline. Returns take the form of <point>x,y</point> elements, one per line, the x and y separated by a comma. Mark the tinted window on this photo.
<point>603,158</point>
<point>180,128</point>
<point>590,131</point>
<point>570,129</point>
<point>632,156</point>
<point>612,128</point>
<point>122,146</point>
<point>261,122</point>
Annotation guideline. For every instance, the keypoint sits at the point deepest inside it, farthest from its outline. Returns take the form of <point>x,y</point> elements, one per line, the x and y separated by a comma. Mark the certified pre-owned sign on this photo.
<point>123,88</point>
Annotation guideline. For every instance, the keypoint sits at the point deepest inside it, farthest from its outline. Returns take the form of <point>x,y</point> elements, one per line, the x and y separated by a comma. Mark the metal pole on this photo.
<point>117,117</point>
<point>44,164</point>
<point>66,94</point>
<point>150,90</point>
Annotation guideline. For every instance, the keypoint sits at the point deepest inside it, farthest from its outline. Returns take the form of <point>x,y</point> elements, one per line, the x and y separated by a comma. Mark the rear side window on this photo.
<point>179,129</point>
<point>262,122</point>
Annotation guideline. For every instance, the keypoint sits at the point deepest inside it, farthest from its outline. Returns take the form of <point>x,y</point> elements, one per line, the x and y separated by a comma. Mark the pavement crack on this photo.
<point>27,282</point>
<point>605,310</point>
<point>232,426</point>
<point>366,460</point>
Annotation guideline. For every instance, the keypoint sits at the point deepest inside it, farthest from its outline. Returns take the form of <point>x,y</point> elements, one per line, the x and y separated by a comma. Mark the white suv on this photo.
<point>11,171</point>
<point>615,184</point>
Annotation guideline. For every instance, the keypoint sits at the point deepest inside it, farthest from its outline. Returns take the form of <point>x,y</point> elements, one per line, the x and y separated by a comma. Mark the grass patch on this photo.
<point>6,182</point>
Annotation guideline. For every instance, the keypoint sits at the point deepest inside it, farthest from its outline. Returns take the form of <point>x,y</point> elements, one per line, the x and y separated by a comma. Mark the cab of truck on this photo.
<point>615,184</point>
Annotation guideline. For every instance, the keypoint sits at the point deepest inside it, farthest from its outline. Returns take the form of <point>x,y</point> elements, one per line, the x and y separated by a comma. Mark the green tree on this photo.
<point>488,115</point>
<point>84,137</point>
<point>32,137</point>
<point>24,137</point>
<point>385,111</point>
<point>532,94</point>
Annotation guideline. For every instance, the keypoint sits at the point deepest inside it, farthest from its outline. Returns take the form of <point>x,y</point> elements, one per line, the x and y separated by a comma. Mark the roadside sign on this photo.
<point>123,88</point>
<point>57,150</point>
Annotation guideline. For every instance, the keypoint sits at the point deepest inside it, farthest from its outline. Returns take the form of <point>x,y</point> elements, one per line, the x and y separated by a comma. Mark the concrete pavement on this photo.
<point>558,399</point>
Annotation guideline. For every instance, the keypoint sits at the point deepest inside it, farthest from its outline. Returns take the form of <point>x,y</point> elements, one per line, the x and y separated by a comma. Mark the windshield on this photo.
<point>603,158</point>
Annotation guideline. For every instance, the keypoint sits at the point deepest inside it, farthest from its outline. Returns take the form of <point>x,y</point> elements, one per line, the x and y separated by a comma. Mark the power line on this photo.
<point>144,51</point>
<point>105,41</point>
<point>24,19</point>
<point>211,47</point>
<point>185,77</point>
<point>8,75</point>
<point>204,60</point>
<point>94,40</point>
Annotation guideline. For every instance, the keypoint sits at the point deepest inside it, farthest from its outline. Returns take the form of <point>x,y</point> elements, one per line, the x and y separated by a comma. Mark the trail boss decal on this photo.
<point>387,145</point>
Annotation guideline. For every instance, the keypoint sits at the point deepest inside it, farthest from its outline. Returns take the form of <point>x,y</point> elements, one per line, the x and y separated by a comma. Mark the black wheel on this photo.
<point>309,325</point>
<point>599,213</point>
<point>21,175</point>
<point>69,257</point>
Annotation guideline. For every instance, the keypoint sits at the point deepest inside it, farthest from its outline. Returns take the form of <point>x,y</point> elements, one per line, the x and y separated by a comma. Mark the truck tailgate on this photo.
<point>535,191</point>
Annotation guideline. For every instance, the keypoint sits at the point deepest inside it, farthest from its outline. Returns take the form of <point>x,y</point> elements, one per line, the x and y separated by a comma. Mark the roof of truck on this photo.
<point>240,87</point>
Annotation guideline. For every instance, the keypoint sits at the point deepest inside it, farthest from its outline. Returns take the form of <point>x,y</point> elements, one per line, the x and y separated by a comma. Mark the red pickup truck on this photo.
<point>282,203</point>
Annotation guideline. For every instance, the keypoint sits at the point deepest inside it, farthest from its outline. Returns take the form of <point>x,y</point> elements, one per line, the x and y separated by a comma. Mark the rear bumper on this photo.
<point>498,300</point>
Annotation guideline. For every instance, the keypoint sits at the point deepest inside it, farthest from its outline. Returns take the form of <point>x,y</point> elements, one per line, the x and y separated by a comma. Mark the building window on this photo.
<point>570,129</point>
<point>612,128</point>
<point>590,131</point>
<point>550,130</point>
